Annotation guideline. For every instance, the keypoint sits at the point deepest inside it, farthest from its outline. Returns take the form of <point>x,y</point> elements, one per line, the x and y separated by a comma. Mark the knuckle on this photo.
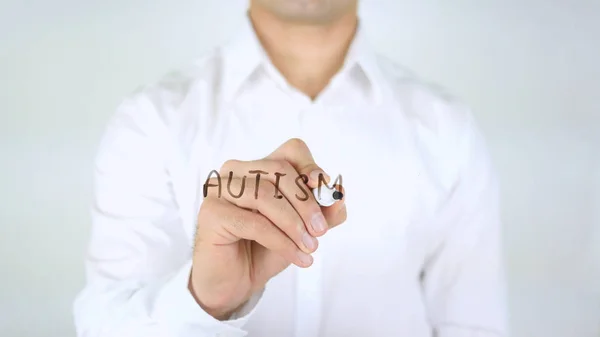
<point>229,164</point>
<point>297,143</point>
<point>287,167</point>
<point>310,167</point>
<point>280,165</point>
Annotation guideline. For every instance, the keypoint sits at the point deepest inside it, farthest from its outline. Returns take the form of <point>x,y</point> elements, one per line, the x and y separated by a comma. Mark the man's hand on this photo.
<point>242,242</point>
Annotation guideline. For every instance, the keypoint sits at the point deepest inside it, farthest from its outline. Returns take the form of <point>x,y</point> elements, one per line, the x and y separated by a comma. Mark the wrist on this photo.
<point>218,311</point>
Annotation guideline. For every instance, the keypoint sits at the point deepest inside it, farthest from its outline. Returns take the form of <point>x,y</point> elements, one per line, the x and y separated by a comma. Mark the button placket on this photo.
<point>309,280</point>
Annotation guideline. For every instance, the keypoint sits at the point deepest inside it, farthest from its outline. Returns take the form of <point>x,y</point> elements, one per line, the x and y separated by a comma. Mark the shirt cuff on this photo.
<point>176,309</point>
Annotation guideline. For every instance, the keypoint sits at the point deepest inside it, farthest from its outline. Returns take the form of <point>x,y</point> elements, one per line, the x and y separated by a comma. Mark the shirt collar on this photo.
<point>362,55</point>
<point>244,54</point>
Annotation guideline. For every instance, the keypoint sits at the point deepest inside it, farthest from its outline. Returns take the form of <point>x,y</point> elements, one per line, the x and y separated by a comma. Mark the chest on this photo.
<point>378,247</point>
<point>372,152</point>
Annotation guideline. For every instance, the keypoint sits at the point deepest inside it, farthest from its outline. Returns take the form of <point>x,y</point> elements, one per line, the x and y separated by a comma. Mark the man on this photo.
<point>178,250</point>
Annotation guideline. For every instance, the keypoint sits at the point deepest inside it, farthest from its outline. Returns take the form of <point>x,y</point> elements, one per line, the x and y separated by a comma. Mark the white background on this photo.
<point>529,68</point>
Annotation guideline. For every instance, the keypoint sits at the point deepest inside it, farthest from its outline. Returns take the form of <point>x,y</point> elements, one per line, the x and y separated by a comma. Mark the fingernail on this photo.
<point>304,258</point>
<point>309,242</point>
<point>318,222</point>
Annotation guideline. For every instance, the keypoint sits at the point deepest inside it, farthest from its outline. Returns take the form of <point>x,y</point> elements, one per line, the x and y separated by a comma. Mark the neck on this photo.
<point>307,55</point>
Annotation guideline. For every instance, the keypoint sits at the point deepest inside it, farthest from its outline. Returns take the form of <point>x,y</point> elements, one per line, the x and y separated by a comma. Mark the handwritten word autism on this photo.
<point>300,181</point>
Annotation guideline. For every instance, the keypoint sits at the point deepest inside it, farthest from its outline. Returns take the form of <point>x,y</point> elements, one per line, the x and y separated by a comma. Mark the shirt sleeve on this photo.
<point>139,257</point>
<point>463,279</point>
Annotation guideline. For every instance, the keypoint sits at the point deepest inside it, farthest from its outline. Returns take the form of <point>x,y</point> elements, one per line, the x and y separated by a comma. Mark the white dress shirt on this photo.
<point>419,254</point>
